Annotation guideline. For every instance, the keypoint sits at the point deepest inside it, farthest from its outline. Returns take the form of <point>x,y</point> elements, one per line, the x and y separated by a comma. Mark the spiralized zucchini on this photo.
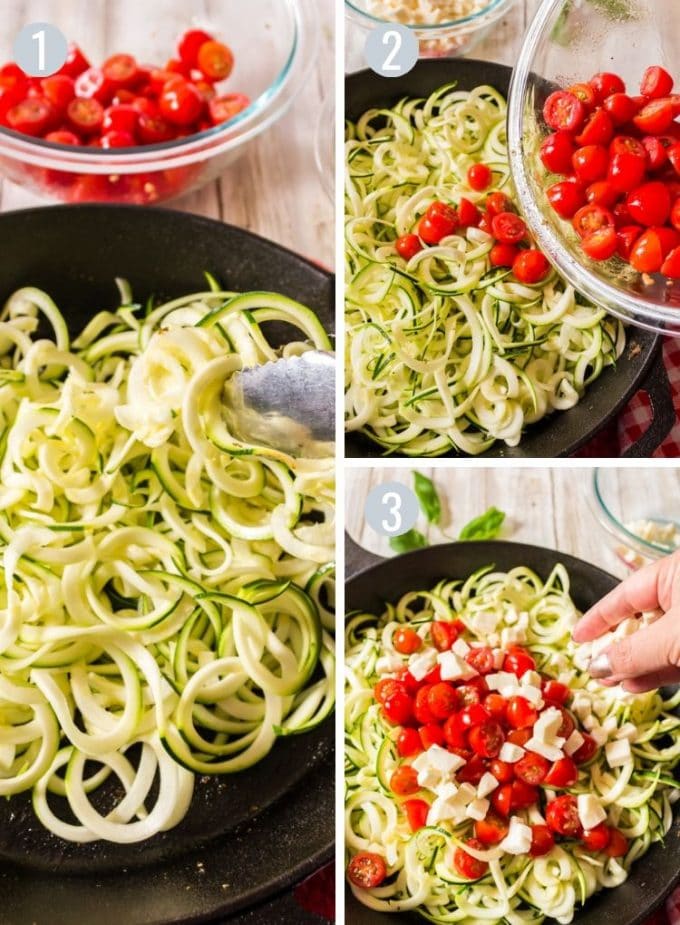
<point>165,595</point>
<point>517,889</point>
<point>444,352</point>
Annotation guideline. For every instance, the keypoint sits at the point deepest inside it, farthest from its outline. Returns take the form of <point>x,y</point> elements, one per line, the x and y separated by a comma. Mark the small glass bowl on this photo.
<point>274,47</point>
<point>567,43</point>
<point>644,525</point>
<point>453,38</point>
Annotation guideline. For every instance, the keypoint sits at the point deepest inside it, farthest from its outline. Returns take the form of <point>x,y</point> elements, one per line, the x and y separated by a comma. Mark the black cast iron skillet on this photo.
<point>247,836</point>
<point>372,581</point>
<point>639,368</point>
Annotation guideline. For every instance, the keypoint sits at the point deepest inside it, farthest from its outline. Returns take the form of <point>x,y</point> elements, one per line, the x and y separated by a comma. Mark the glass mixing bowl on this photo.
<point>640,523</point>
<point>567,42</point>
<point>455,37</point>
<point>274,46</point>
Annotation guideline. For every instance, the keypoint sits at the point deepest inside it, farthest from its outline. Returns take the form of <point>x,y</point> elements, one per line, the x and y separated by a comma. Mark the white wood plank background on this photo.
<point>276,189</point>
<point>545,507</point>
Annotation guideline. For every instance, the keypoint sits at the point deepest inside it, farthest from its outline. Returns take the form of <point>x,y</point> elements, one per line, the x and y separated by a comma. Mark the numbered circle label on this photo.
<point>391,509</point>
<point>40,49</point>
<point>391,50</point>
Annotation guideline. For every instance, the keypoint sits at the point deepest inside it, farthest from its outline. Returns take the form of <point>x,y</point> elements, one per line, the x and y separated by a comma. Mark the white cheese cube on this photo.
<point>573,743</point>
<point>421,663</point>
<point>532,694</point>
<point>566,677</point>
<point>510,752</point>
<point>590,721</point>
<point>486,622</point>
<point>477,809</point>
<point>531,677</point>
<point>388,664</point>
<point>551,752</point>
<point>590,810</point>
<point>518,839</point>
<point>428,779</point>
<point>627,731</point>
<point>487,785</point>
<point>609,724</point>
<point>494,640</point>
<point>617,752</point>
<point>511,616</point>
<point>454,668</point>
<point>447,791</point>
<point>512,635</point>
<point>547,726</point>
<point>599,735</point>
<point>460,647</point>
<point>501,680</point>
<point>444,761</point>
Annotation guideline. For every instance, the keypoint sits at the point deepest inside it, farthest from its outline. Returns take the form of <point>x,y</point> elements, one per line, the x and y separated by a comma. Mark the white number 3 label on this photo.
<point>392,501</point>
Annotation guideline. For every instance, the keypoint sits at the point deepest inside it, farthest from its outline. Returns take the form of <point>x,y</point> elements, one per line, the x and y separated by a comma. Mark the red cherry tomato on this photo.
<point>469,215</point>
<point>441,220</point>
<point>656,152</point>
<point>589,746</point>
<point>503,771</point>
<point>585,93</point>
<point>85,115</point>
<point>673,155</point>
<point>556,152</point>
<point>675,215</point>
<point>596,839</point>
<point>503,255</point>
<point>518,661</point>
<point>620,108</point>
<point>470,694</point>
<point>75,63</point>
<point>474,715</point>
<point>479,177</point>
<point>443,635</point>
<point>466,865</point>
<point>655,118</point>
<point>618,844</point>
<point>481,659</point>
<point>408,743</point>
<point>519,736</point>
<point>121,71</point>
<point>455,734</point>
<point>590,163</point>
<point>508,228</point>
<point>153,129</point>
<point>497,203</point>
<point>190,44</point>
<point>406,640</point>
<point>431,734</point>
<point>566,197</point>
<point>408,245</point>
<point>62,137</point>
<point>605,84</point>
<point>652,248</point>
<point>568,725</point>
<point>496,705</point>
<point>422,711</point>
<point>92,84</point>
<point>434,676</point>
<point>649,204</point>
<point>404,781</point>
<point>225,108</point>
<point>531,267</point>
<point>366,870</point>
<point>215,60</point>
<point>555,692</point>
<point>564,112</point>
<point>562,816</point>
<point>521,713</point>
<point>416,813</point>
<point>562,774</point>
<point>592,218</point>
<point>398,708</point>
<point>487,740</point>
<point>443,700</point>
<point>491,830</point>
<point>31,116</point>
<point>602,193</point>
<point>116,139</point>
<point>180,102</point>
<point>656,82</point>
<point>523,795</point>
<point>542,841</point>
<point>598,129</point>
<point>601,245</point>
<point>59,90</point>
<point>627,170</point>
<point>12,92</point>
<point>671,265</point>
<point>501,799</point>
<point>386,687</point>
<point>532,768</point>
<point>121,118</point>
<point>475,767</point>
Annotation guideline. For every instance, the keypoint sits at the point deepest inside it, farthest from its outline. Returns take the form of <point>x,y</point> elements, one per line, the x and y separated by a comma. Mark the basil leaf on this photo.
<point>408,541</point>
<point>485,527</point>
<point>428,497</point>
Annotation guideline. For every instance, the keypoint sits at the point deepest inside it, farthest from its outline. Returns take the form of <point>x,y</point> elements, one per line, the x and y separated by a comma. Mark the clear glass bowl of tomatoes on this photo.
<point>613,152</point>
<point>156,98</point>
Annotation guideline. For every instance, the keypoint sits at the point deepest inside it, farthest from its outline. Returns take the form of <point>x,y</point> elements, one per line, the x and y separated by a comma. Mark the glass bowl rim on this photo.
<point>471,19</point>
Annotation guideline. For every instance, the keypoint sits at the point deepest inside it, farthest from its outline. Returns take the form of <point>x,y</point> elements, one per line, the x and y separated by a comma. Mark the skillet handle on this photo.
<point>657,386</point>
<point>358,559</point>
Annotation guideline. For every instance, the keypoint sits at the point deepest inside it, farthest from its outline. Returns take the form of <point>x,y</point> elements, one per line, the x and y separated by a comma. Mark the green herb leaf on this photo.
<point>428,497</point>
<point>485,527</point>
<point>408,541</point>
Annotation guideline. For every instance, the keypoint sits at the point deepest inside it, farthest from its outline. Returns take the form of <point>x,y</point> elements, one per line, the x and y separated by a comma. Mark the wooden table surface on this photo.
<point>275,189</point>
<point>544,507</point>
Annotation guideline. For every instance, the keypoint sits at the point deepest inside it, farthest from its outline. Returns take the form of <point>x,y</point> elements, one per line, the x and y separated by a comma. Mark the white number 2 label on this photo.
<point>394,39</point>
<point>392,502</point>
<point>391,50</point>
<point>39,37</point>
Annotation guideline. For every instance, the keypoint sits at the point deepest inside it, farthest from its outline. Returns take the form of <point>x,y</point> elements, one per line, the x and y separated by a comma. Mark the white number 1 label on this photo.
<point>39,37</point>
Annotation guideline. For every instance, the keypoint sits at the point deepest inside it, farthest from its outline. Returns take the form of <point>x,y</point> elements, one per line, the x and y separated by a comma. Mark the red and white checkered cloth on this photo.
<point>634,420</point>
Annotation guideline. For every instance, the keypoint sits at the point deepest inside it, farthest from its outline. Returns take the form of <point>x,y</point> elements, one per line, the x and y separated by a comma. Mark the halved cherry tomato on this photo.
<point>479,177</point>
<point>517,660</point>
<point>406,640</point>
<point>443,700</point>
<point>474,715</point>
<point>386,687</point>
<point>650,204</point>
<point>408,245</point>
<point>475,768</point>
<point>408,743</point>
<point>562,817</point>
<point>602,193</point>
<point>532,768</point>
<point>421,710</point>
<point>501,799</point>
<point>627,170</point>
<point>496,203</point>
<point>566,197</point>
<point>455,734</point>
<point>598,129</point>
<point>652,248</point>
<point>434,676</point>
<point>496,704</point>
<point>404,781</point>
<point>180,102</point>
<point>190,44</point>
<point>503,771</point>
<point>116,139</point>
<point>75,63</point>
<point>224,108</point>
<point>122,118</point>
<point>466,865</point>
<point>503,255</point>
<point>655,118</point>
<point>542,841</point>
<point>31,116</point>
<point>671,265</point>
<point>215,60</point>
<point>673,155</point>
<point>62,137</point>
<point>564,112</point>
<point>675,215</point>
<point>589,746</point>
<point>596,839</point>
<point>416,813</point>
<point>487,740</point>
<point>656,82</point>
<point>521,714</point>
<point>59,90</point>
<point>590,163</point>
<point>367,870</point>
<point>470,694</point>
<point>605,84</point>
<point>563,773</point>
<point>491,830</point>
<point>468,213</point>
<point>531,267</point>
<point>567,725</point>
<point>440,221</point>
<point>481,659</point>
<point>431,734</point>
<point>600,245</point>
<point>508,228</point>
<point>519,736</point>
<point>398,708</point>
<point>555,692</point>
<point>585,93</point>
<point>153,129</point>
<point>592,218</point>
<point>618,844</point>
<point>620,108</point>
<point>443,635</point>
<point>524,795</point>
<point>121,71</point>
<point>556,152</point>
<point>656,152</point>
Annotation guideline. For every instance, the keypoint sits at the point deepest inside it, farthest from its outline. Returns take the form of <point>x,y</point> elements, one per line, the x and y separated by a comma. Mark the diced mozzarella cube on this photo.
<point>627,731</point>
<point>428,779</point>
<point>582,656</point>
<point>460,647</point>
<point>518,839</point>
<point>531,677</point>
<point>609,724</point>
<point>454,668</point>
<point>511,616</point>
<point>501,680</point>
<point>477,809</point>
<point>421,763</point>
<point>590,721</point>
<point>510,752</point>
<point>487,785</point>
<point>439,811</point>
<point>498,656</point>
<point>512,635</point>
<point>598,735</point>
<point>494,640</point>
<point>566,677</point>
<point>421,663</point>
<point>617,752</point>
<point>547,725</point>
<point>444,761</point>
<point>532,694</point>
<point>388,664</point>
<point>573,743</point>
<point>486,622</point>
<point>551,752</point>
<point>447,791</point>
<point>590,810</point>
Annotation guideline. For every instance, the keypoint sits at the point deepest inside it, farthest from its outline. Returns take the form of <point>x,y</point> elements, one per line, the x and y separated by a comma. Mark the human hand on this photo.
<point>650,657</point>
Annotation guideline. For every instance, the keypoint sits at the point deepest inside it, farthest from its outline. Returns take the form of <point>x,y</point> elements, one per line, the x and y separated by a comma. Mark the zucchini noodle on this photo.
<point>636,796</point>
<point>165,595</point>
<point>444,352</point>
